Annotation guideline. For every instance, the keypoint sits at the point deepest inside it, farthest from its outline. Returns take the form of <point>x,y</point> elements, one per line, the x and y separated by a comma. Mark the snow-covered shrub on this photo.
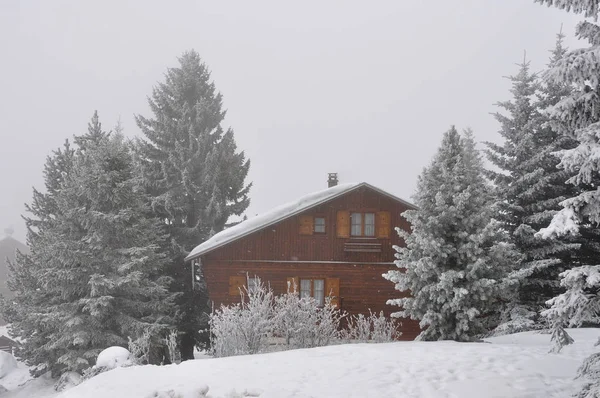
<point>114,357</point>
<point>224,328</point>
<point>303,323</point>
<point>359,328</point>
<point>294,318</point>
<point>244,328</point>
<point>93,371</point>
<point>375,328</point>
<point>518,319</point>
<point>327,327</point>
<point>171,344</point>
<point>384,329</point>
<point>559,338</point>
<point>288,316</point>
<point>68,380</point>
<point>110,358</point>
<point>590,372</point>
<point>576,306</point>
<point>257,311</point>
<point>140,348</point>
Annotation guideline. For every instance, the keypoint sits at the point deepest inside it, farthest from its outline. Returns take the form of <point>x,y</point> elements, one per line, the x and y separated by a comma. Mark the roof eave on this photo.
<point>275,221</point>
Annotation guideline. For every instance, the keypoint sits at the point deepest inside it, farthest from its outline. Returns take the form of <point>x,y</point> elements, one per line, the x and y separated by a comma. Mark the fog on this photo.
<point>365,89</point>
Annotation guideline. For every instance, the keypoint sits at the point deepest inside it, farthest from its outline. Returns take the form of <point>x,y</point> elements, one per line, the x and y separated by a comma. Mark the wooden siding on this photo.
<point>278,252</point>
<point>283,241</point>
<point>361,285</point>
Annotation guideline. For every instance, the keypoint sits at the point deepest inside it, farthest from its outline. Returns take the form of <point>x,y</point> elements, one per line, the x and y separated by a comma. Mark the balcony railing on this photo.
<point>362,247</point>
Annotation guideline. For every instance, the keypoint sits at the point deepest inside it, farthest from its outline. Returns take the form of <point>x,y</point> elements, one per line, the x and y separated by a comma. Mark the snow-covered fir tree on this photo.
<point>578,115</point>
<point>195,176</point>
<point>529,189</point>
<point>24,279</point>
<point>95,272</point>
<point>456,257</point>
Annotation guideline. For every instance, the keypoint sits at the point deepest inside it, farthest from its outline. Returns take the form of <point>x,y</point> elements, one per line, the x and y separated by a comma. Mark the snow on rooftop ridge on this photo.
<point>274,215</point>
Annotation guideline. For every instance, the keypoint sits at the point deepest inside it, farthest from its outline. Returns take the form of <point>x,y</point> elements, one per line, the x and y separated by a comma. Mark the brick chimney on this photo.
<point>332,180</point>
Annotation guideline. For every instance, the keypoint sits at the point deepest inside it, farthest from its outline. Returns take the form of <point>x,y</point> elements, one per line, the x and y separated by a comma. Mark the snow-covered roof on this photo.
<point>280,213</point>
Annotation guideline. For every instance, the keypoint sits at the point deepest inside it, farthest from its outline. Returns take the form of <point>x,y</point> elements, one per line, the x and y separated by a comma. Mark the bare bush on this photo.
<point>140,348</point>
<point>372,328</point>
<point>359,328</point>
<point>244,328</point>
<point>224,328</point>
<point>384,329</point>
<point>303,323</point>
<point>294,318</point>
<point>327,327</point>
<point>171,344</point>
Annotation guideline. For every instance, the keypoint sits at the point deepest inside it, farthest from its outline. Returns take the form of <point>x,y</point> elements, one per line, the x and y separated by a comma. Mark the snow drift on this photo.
<point>511,366</point>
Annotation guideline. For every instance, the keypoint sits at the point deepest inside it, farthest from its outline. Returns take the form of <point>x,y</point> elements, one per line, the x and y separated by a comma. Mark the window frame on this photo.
<point>363,224</point>
<point>251,283</point>
<point>321,302</point>
<point>315,225</point>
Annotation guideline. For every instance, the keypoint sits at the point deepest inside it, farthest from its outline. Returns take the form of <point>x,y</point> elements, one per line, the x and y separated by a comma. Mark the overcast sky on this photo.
<point>365,89</point>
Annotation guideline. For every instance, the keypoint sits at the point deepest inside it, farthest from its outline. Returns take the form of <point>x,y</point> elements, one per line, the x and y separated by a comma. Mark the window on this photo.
<point>305,288</point>
<point>319,225</point>
<point>369,229</point>
<point>362,224</point>
<point>314,288</point>
<point>253,284</point>
<point>319,291</point>
<point>310,225</point>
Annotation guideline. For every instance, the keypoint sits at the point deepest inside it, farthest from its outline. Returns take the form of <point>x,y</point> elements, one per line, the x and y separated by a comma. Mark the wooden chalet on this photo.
<point>336,242</point>
<point>7,344</point>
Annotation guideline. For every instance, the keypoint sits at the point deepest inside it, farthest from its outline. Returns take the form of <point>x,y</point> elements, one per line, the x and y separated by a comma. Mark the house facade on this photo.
<point>337,242</point>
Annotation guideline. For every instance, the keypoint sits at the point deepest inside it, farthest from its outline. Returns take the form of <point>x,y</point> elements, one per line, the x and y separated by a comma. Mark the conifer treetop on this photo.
<point>589,8</point>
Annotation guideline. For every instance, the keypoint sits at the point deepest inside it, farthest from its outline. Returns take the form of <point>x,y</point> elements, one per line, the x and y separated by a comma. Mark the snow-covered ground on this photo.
<point>516,366</point>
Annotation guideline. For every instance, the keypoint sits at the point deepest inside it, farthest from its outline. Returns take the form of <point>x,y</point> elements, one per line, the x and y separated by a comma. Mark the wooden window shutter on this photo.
<point>236,283</point>
<point>343,224</point>
<point>306,225</point>
<point>294,284</point>
<point>383,224</point>
<point>332,289</point>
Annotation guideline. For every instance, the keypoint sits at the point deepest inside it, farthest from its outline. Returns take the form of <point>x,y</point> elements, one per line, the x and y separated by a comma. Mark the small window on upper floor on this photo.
<point>319,225</point>
<point>362,224</point>
<point>310,225</point>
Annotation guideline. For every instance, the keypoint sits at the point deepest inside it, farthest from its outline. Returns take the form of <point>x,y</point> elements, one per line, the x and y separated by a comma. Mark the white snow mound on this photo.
<point>516,366</point>
<point>8,363</point>
<point>114,357</point>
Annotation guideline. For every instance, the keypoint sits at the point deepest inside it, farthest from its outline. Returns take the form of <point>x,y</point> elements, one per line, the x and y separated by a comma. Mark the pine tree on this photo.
<point>529,189</point>
<point>455,258</point>
<point>578,115</point>
<point>23,312</point>
<point>95,270</point>
<point>195,177</point>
